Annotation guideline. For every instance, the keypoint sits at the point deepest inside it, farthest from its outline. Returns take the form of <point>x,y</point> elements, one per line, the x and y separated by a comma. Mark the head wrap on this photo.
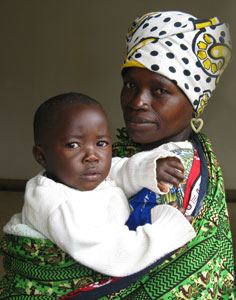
<point>192,52</point>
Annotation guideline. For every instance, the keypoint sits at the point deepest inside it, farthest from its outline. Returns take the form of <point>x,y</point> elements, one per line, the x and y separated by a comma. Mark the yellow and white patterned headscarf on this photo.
<point>190,51</point>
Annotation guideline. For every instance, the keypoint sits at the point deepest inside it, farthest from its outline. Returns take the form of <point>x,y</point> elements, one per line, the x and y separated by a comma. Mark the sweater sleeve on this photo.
<point>111,248</point>
<point>139,171</point>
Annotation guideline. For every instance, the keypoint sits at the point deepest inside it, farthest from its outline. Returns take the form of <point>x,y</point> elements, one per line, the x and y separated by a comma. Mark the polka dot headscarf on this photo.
<point>192,52</point>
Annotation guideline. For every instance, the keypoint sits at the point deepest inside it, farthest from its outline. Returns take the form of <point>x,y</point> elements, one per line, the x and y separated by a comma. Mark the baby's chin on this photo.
<point>86,186</point>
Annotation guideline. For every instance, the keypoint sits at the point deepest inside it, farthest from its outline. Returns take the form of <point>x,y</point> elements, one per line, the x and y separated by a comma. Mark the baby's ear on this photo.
<point>39,155</point>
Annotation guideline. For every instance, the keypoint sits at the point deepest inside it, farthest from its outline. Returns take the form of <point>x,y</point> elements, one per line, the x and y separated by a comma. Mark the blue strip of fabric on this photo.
<point>204,174</point>
<point>141,205</point>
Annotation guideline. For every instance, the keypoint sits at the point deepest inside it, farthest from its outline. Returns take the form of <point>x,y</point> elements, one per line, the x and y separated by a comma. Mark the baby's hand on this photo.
<point>182,210</point>
<point>169,170</point>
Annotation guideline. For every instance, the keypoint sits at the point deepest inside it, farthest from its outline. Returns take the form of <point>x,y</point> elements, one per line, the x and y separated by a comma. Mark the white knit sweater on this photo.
<point>89,225</point>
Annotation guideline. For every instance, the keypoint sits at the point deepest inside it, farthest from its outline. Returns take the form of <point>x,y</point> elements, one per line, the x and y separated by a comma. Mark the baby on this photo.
<point>77,201</point>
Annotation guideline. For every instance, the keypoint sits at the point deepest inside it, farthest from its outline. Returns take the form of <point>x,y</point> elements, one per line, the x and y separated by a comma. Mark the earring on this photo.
<point>196,124</point>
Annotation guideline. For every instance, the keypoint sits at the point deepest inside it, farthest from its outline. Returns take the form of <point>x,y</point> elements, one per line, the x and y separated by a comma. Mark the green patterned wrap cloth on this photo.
<point>203,269</point>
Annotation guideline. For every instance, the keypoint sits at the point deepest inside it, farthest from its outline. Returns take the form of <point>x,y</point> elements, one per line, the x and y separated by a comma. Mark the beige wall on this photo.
<point>54,46</point>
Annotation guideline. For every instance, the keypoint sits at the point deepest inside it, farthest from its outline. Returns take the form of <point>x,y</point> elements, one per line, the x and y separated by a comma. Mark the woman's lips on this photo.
<point>139,122</point>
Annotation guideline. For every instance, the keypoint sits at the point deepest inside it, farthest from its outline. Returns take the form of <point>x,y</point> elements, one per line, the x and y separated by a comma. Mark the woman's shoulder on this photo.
<point>171,146</point>
<point>124,147</point>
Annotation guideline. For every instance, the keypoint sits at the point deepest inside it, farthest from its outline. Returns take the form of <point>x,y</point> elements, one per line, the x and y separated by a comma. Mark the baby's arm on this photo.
<point>147,169</point>
<point>111,248</point>
<point>89,226</point>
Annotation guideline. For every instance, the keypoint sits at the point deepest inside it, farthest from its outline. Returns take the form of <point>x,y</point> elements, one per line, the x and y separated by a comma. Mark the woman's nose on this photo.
<point>141,100</point>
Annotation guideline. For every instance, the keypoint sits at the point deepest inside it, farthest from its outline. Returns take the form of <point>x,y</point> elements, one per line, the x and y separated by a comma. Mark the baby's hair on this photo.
<point>43,115</point>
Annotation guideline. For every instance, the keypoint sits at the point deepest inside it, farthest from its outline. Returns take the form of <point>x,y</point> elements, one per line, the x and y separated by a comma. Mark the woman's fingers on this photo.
<point>182,210</point>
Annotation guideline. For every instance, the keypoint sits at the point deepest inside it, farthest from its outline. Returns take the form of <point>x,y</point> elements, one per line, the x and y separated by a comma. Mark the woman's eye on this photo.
<point>161,91</point>
<point>72,145</point>
<point>129,85</point>
<point>102,143</point>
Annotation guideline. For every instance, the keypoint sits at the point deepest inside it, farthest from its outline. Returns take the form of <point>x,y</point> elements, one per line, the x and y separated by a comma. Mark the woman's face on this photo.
<point>155,109</point>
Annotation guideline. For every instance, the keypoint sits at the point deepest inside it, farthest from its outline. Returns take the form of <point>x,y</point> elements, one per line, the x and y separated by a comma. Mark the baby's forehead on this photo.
<point>60,109</point>
<point>77,119</point>
<point>80,113</point>
<point>70,108</point>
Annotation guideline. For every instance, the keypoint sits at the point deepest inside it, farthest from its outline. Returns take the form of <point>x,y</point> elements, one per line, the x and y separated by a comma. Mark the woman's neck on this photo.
<point>181,137</point>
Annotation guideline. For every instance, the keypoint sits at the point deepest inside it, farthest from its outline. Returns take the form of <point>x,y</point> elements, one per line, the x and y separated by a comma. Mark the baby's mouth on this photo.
<point>91,174</point>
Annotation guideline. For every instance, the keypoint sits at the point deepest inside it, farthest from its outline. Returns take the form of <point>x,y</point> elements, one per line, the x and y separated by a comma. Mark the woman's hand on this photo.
<point>182,210</point>
<point>169,170</point>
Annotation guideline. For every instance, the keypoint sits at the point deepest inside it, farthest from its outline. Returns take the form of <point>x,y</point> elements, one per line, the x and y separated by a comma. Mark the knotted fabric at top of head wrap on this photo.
<point>192,52</point>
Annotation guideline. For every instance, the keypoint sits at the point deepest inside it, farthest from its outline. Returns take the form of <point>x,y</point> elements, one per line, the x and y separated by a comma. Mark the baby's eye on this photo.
<point>72,145</point>
<point>102,143</point>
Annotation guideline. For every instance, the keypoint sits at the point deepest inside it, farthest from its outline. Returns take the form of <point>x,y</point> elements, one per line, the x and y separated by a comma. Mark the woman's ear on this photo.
<point>39,155</point>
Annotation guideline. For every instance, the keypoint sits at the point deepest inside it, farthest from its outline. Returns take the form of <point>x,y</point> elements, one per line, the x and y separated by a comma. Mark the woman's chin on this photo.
<point>139,137</point>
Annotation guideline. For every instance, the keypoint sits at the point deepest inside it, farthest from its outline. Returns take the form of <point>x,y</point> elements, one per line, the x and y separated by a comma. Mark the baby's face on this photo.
<point>78,147</point>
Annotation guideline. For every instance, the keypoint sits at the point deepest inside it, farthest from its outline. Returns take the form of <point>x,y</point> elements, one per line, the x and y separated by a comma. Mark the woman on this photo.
<point>173,64</point>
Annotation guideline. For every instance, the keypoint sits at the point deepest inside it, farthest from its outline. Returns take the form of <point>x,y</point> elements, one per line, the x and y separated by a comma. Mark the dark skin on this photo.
<point>75,151</point>
<point>156,112</point>
<point>169,170</point>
